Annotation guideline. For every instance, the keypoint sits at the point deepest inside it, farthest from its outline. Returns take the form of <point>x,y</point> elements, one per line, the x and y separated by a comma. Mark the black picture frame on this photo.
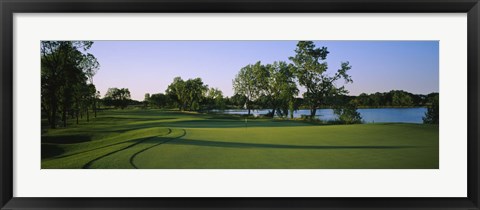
<point>9,7</point>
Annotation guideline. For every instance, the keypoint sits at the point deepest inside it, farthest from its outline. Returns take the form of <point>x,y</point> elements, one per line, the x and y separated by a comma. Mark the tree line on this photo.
<point>394,98</point>
<point>273,86</point>
<point>187,95</point>
<point>214,99</point>
<point>67,72</point>
<point>68,90</point>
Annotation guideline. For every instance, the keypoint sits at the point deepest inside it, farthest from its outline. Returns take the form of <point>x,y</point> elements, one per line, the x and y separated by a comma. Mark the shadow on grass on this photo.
<point>201,120</point>
<point>219,123</point>
<point>120,127</point>
<point>151,112</point>
<point>201,123</point>
<point>66,139</point>
<point>206,143</point>
<point>137,141</point>
<point>119,119</point>
<point>50,150</point>
<point>124,129</point>
<point>132,162</point>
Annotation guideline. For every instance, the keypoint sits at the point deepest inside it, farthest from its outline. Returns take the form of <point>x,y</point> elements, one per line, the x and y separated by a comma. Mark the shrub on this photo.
<point>432,114</point>
<point>348,114</point>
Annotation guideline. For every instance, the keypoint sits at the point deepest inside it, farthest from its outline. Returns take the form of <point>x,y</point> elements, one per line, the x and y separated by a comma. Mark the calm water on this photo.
<point>404,115</point>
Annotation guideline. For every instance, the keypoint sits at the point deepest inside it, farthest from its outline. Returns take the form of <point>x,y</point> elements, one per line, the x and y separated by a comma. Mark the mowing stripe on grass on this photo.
<point>87,165</point>
<point>222,142</point>
<point>145,149</point>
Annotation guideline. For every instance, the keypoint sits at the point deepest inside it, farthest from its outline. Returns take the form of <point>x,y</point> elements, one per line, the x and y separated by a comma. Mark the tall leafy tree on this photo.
<point>238,100</point>
<point>146,100</point>
<point>311,69</point>
<point>159,100</point>
<point>247,83</point>
<point>278,84</point>
<point>92,99</point>
<point>195,91</point>
<point>119,98</point>
<point>65,67</point>
<point>214,99</point>
<point>96,100</point>
<point>176,91</point>
<point>188,94</point>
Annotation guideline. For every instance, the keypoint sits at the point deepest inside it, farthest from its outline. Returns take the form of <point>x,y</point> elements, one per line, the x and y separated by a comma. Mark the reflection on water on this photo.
<point>403,115</point>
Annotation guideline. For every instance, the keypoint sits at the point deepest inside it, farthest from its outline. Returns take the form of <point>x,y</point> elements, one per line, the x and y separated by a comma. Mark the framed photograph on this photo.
<point>239,104</point>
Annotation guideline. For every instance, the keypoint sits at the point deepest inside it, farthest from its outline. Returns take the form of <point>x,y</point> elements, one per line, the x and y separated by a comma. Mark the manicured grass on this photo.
<point>168,140</point>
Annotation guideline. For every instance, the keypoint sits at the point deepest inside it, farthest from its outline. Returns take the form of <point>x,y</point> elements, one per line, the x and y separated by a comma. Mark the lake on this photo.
<point>379,115</point>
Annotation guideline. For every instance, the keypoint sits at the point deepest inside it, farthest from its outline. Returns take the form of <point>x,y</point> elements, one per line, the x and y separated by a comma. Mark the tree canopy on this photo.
<point>187,94</point>
<point>247,82</point>
<point>311,72</point>
<point>118,98</point>
<point>68,91</point>
<point>67,72</point>
<point>277,84</point>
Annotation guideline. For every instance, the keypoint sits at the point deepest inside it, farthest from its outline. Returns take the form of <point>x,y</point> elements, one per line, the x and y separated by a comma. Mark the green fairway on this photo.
<point>127,139</point>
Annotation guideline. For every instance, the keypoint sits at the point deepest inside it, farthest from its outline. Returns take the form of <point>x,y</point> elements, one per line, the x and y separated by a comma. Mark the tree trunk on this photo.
<point>64,116</point>
<point>313,110</point>
<point>53,117</point>
<point>47,112</point>
<point>95,108</point>
<point>77,115</point>
<point>88,117</point>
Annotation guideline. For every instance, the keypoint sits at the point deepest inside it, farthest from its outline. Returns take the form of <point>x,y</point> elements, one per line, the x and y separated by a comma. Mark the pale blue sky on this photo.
<point>150,66</point>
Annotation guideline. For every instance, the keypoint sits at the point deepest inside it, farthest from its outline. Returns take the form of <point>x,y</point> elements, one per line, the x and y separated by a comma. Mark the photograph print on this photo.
<point>269,104</point>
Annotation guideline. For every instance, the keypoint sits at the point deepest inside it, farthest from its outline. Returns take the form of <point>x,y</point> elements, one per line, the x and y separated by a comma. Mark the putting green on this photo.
<point>124,139</point>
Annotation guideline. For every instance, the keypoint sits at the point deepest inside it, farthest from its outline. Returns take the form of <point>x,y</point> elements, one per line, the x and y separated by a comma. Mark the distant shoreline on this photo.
<point>329,107</point>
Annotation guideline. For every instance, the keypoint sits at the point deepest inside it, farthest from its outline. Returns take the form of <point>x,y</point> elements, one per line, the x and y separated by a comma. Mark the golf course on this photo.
<point>239,104</point>
<point>160,139</point>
